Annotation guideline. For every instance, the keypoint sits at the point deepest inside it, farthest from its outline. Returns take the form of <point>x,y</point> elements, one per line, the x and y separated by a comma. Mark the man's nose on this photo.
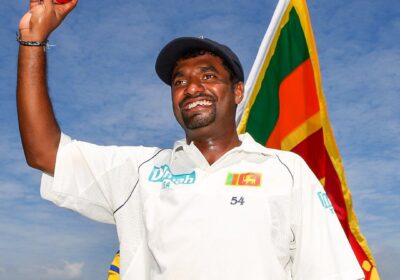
<point>194,86</point>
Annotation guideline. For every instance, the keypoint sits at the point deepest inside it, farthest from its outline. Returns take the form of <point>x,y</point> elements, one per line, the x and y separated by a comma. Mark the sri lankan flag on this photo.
<point>285,109</point>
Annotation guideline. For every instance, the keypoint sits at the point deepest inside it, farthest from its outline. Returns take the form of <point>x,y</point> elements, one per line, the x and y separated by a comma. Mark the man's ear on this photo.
<point>239,92</point>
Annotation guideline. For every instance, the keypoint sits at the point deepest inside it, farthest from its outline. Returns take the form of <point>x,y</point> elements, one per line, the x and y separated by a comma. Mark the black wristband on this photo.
<point>32,43</point>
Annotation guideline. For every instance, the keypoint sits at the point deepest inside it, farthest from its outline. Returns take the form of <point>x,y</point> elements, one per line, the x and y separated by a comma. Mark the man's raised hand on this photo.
<point>42,18</point>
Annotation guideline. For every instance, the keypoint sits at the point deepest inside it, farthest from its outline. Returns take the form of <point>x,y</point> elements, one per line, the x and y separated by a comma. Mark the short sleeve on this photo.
<point>92,180</point>
<point>321,249</point>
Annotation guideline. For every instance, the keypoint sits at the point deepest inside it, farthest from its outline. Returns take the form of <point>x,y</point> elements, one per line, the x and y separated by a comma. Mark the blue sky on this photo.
<point>104,90</point>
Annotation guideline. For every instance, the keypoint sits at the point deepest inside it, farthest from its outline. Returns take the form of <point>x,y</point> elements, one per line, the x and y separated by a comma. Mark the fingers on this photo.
<point>67,7</point>
<point>48,3</point>
<point>71,4</point>
<point>34,3</point>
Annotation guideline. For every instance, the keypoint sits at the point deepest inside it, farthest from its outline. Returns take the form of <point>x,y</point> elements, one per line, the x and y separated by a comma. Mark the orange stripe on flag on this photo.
<point>298,102</point>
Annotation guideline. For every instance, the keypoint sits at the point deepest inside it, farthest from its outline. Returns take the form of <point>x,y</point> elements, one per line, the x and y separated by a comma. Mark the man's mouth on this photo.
<point>200,100</point>
<point>196,103</point>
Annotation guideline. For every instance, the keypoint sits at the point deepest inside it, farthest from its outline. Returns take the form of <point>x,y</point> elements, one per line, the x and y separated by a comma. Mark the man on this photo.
<point>215,206</point>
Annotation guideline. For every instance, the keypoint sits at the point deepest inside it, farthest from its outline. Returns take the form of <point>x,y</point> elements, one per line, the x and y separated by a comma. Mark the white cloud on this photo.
<point>64,270</point>
<point>67,270</point>
<point>11,190</point>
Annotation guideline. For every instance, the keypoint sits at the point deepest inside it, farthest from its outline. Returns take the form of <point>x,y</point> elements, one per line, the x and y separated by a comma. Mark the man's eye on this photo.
<point>208,76</point>
<point>179,82</point>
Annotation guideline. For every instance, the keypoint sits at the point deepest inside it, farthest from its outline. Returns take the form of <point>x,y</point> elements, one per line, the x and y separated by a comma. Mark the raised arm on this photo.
<point>40,133</point>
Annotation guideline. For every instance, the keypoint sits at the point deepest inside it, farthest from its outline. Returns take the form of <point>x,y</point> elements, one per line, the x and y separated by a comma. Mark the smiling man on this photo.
<point>206,80</point>
<point>215,206</point>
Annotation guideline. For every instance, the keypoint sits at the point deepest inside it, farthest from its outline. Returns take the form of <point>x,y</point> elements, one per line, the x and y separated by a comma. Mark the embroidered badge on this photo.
<point>249,179</point>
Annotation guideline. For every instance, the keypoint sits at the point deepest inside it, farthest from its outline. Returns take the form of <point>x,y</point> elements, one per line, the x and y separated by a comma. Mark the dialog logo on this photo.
<point>164,175</point>
<point>326,203</point>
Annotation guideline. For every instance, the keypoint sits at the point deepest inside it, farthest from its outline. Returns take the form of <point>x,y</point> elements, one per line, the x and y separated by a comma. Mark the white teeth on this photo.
<point>200,102</point>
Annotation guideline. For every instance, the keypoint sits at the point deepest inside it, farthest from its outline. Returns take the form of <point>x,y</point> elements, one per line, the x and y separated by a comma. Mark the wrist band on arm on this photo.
<point>33,43</point>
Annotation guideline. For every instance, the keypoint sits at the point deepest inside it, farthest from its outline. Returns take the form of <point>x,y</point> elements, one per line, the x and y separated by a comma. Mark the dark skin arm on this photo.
<point>40,133</point>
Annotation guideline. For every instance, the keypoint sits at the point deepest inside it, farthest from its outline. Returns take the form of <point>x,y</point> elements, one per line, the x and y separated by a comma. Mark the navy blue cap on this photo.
<point>174,50</point>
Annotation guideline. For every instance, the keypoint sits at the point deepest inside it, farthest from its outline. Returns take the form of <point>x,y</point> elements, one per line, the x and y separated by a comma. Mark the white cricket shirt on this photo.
<point>254,214</point>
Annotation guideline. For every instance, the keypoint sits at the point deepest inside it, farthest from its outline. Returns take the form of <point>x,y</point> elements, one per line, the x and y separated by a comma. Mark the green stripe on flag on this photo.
<point>229,179</point>
<point>291,50</point>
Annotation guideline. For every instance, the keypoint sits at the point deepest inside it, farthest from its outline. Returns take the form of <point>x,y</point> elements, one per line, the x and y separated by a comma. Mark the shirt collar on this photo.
<point>248,145</point>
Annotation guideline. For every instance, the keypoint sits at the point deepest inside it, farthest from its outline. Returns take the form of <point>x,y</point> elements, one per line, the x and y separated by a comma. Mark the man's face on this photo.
<point>202,94</point>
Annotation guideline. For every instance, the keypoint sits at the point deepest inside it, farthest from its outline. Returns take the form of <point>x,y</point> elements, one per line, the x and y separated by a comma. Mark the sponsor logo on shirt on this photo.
<point>248,179</point>
<point>326,203</point>
<point>164,175</point>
